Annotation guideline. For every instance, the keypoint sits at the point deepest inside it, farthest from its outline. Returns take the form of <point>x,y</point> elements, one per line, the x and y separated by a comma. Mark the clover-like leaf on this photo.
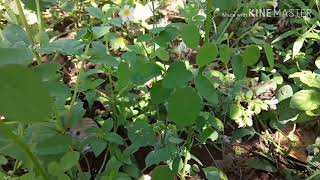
<point>206,89</point>
<point>184,107</point>
<point>306,100</point>
<point>162,172</point>
<point>207,54</point>
<point>22,94</point>
<point>251,55</point>
<point>177,76</point>
<point>190,35</point>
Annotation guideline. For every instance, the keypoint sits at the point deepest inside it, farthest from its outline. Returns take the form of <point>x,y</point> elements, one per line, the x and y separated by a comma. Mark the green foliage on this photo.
<point>26,99</point>
<point>184,111</point>
<point>156,86</point>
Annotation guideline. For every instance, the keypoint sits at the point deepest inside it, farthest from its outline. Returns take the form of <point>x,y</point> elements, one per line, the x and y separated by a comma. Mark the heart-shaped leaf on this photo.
<point>184,107</point>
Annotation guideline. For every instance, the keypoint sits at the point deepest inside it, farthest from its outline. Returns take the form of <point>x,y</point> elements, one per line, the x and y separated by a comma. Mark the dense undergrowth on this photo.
<point>170,89</point>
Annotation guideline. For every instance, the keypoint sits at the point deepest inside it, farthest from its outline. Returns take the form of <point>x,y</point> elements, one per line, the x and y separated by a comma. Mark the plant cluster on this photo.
<point>132,89</point>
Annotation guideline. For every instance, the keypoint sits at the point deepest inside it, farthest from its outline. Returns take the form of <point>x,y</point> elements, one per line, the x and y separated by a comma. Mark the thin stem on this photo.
<point>26,26</point>
<point>76,89</point>
<point>186,155</point>
<point>39,16</point>
<point>16,140</point>
<point>208,21</point>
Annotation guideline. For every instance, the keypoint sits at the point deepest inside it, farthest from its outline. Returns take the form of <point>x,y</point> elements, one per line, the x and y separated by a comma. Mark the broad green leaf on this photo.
<point>208,133</point>
<point>141,133</point>
<point>143,71</point>
<point>159,94</point>
<point>225,53</point>
<point>95,12</point>
<point>242,132</point>
<point>225,4</point>
<point>305,100</point>
<point>284,92</point>
<point>213,173</point>
<point>207,54</point>
<point>309,78</point>
<point>114,138</point>
<point>177,76</point>
<point>69,160</point>
<point>184,107</point>
<point>64,46</point>
<point>162,54</point>
<point>297,45</point>
<point>55,169</point>
<point>190,35</point>
<point>100,31</point>
<point>217,124</point>
<point>262,164</point>
<point>160,155</point>
<point>238,67</point>
<point>165,36</point>
<point>15,56</point>
<point>124,78</point>
<point>56,145</point>
<point>235,111</point>
<point>206,89</point>
<point>15,35</point>
<point>23,96</point>
<point>251,55</point>
<point>269,53</point>
<point>162,172</point>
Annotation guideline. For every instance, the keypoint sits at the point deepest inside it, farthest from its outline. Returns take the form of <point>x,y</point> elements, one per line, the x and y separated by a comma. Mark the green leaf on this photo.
<point>190,35</point>
<point>95,12</point>
<point>23,97</point>
<point>54,145</point>
<point>15,56</point>
<point>184,107</point>
<point>213,173</point>
<point>114,138</point>
<point>251,55</point>
<point>305,100</point>
<point>141,133</point>
<point>177,76</point>
<point>159,94</point>
<point>69,160</point>
<point>297,45</point>
<point>217,124</point>
<point>208,133</point>
<point>284,92</point>
<point>160,155</point>
<point>143,71</point>
<point>262,164</point>
<point>207,54</point>
<point>269,53</point>
<point>225,53</point>
<point>225,4</point>
<point>55,169</point>
<point>162,172</point>
<point>16,35</point>
<point>64,46</point>
<point>165,36</point>
<point>238,67</point>
<point>307,77</point>
<point>206,89</point>
<point>162,54</point>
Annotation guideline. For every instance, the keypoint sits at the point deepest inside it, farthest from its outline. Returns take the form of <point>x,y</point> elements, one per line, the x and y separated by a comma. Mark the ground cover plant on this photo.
<point>159,89</point>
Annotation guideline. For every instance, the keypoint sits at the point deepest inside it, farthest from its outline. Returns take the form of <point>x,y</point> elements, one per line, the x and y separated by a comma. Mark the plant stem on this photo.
<point>16,140</point>
<point>208,21</point>
<point>26,26</point>
<point>40,28</point>
<point>76,89</point>
<point>186,155</point>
